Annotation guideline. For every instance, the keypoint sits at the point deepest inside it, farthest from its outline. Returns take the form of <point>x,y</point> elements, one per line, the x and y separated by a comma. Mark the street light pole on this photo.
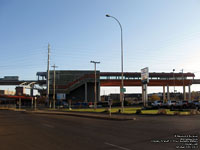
<point>54,86</point>
<point>95,84</point>
<point>122,81</point>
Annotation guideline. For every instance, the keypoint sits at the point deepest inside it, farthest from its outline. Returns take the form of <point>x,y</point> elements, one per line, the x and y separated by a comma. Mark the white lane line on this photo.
<point>48,125</point>
<point>119,147</point>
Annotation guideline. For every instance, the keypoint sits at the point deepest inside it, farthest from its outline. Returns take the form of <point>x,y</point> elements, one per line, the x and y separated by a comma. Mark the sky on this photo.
<point>160,34</point>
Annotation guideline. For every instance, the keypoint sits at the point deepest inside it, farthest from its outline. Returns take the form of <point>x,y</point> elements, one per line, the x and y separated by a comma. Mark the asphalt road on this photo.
<point>21,131</point>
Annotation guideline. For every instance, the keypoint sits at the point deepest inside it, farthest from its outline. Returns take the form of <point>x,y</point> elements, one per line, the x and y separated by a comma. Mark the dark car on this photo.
<point>196,104</point>
<point>182,104</point>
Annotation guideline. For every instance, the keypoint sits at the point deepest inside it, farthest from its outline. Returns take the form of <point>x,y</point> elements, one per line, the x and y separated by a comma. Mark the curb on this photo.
<point>83,115</point>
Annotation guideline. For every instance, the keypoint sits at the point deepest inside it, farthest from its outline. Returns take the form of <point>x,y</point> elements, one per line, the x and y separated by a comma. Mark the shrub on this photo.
<point>193,112</point>
<point>138,111</point>
<point>176,113</point>
<point>162,112</point>
<point>107,110</point>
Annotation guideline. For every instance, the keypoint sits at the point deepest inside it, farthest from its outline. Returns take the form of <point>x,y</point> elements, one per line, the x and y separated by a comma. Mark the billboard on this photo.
<point>61,96</point>
<point>145,75</point>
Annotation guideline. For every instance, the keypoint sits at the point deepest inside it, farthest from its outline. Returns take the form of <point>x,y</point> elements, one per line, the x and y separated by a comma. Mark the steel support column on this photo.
<point>184,93</point>
<point>164,97</point>
<point>32,102</point>
<point>168,94</point>
<point>189,91</point>
<point>31,91</point>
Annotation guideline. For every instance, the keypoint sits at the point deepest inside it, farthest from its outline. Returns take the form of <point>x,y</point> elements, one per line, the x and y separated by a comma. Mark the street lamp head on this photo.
<point>107,15</point>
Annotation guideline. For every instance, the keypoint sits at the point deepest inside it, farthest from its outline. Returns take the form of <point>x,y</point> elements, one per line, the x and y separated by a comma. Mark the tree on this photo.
<point>155,97</point>
<point>195,95</point>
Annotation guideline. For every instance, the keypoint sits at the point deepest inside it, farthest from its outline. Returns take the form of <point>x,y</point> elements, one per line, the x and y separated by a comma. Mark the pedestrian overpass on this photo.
<point>78,82</point>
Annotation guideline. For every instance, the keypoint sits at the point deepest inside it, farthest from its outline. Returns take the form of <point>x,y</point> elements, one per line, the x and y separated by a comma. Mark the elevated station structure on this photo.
<point>155,79</point>
<point>22,83</point>
<point>78,85</point>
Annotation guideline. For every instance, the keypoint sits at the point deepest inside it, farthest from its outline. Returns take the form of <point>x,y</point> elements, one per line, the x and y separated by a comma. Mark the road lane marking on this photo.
<point>48,125</point>
<point>119,147</point>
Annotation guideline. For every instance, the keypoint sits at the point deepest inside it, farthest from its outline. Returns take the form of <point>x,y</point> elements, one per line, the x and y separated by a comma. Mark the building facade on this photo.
<point>77,86</point>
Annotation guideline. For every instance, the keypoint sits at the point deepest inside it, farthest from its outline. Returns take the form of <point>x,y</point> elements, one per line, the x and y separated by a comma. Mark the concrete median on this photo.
<point>87,115</point>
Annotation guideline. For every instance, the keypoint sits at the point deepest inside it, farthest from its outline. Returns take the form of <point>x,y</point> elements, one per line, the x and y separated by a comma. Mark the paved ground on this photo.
<point>22,131</point>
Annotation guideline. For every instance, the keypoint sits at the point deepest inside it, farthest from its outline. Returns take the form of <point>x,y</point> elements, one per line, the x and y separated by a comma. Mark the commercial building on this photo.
<point>6,92</point>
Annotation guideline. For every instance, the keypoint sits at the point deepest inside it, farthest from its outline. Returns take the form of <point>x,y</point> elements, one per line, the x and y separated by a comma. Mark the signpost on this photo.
<point>145,81</point>
<point>145,75</point>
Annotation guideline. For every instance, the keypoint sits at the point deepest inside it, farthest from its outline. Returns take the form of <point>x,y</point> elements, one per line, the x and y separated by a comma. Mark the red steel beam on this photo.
<point>151,82</point>
<point>14,96</point>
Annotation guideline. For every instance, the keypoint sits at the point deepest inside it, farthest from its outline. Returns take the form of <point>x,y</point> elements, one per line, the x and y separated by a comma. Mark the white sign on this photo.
<point>61,96</point>
<point>145,75</point>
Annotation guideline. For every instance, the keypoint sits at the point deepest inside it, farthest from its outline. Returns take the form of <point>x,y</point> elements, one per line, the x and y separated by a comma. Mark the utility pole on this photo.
<point>54,86</point>
<point>174,84</point>
<point>184,96</point>
<point>47,82</point>
<point>95,82</point>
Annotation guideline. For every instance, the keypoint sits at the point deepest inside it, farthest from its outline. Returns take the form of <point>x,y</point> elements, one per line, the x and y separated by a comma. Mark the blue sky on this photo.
<point>160,34</point>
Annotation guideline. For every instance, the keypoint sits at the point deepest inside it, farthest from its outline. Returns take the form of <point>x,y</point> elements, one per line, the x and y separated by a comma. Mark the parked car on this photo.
<point>182,104</point>
<point>62,104</point>
<point>171,103</point>
<point>196,104</point>
<point>157,104</point>
<point>91,105</point>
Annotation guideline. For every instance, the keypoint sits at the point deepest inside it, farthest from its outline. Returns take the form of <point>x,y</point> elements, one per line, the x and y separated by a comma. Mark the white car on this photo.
<point>171,103</point>
<point>157,103</point>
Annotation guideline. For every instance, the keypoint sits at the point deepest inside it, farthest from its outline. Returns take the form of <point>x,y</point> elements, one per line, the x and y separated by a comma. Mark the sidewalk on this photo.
<point>118,117</point>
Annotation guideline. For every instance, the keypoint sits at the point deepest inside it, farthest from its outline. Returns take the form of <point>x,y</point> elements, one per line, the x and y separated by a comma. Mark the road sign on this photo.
<point>123,90</point>
<point>145,80</point>
<point>145,75</point>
